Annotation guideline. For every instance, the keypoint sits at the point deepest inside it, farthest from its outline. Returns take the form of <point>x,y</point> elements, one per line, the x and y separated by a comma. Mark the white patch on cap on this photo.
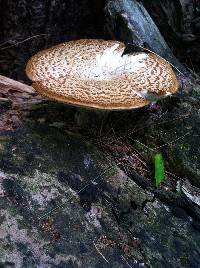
<point>168,93</point>
<point>111,63</point>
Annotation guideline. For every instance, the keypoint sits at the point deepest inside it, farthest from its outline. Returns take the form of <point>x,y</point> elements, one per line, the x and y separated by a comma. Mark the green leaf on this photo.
<point>159,169</point>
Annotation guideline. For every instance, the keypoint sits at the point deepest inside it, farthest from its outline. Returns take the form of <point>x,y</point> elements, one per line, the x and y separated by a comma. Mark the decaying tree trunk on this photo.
<point>179,23</point>
<point>134,25</point>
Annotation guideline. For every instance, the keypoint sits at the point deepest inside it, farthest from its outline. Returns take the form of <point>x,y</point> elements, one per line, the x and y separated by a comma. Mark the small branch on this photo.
<point>126,262</point>
<point>4,99</point>
<point>6,82</point>
<point>100,253</point>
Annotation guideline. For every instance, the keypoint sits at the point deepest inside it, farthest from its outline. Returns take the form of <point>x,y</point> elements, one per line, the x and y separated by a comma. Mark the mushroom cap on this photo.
<point>93,73</point>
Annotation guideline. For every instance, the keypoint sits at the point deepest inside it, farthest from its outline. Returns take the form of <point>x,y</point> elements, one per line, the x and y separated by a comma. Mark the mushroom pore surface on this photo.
<point>93,73</point>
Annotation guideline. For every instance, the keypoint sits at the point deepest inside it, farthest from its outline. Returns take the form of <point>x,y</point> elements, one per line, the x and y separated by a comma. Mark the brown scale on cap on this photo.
<point>93,73</point>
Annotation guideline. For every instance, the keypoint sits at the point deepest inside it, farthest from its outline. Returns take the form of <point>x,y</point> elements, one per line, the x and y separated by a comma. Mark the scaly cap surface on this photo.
<point>93,73</point>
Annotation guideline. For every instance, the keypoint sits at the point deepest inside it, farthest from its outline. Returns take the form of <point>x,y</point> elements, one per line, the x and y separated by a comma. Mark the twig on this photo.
<point>100,252</point>
<point>23,41</point>
<point>173,175</point>
<point>173,141</point>
<point>167,143</point>
<point>126,262</point>
<point>13,84</point>
<point>159,123</point>
<point>4,99</point>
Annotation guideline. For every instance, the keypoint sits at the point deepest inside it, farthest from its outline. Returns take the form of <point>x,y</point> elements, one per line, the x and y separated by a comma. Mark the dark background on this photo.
<point>63,20</point>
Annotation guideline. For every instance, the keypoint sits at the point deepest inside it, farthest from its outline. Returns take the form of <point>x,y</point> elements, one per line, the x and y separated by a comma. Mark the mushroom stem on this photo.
<point>91,119</point>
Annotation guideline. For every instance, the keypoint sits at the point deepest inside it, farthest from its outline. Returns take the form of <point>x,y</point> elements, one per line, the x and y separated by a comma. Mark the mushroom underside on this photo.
<point>104,103</point>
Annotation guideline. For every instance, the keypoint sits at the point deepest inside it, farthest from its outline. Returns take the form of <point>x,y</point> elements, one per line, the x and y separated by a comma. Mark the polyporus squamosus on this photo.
<point>93,73</point>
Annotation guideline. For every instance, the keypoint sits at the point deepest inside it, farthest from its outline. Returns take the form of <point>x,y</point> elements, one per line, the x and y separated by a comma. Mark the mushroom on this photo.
<point>94,73</point>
